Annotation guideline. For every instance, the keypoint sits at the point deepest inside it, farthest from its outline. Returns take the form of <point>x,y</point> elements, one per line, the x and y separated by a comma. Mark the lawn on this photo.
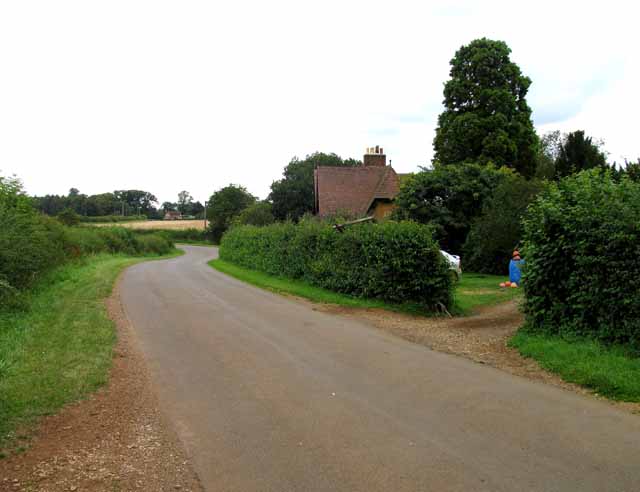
<point>475,290</point>
<point>472,291</point>
<point>612,371</point>
<point>58,348</point>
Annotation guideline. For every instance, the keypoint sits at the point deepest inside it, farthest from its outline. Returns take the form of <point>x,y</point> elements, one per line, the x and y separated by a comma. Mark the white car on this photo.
<point>454,263</point>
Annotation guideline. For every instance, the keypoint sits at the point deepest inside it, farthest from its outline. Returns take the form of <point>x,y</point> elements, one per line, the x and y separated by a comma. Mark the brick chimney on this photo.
<point>375,157</point>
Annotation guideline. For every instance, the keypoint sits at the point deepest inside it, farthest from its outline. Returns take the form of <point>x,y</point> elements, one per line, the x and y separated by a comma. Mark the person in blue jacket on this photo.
<point>514,268</point>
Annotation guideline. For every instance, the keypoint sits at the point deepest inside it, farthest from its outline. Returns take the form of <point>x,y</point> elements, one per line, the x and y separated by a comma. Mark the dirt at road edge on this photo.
<point>115,440</point>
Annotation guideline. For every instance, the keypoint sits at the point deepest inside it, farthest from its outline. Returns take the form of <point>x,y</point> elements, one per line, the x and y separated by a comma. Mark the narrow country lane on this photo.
<point>270,395</point>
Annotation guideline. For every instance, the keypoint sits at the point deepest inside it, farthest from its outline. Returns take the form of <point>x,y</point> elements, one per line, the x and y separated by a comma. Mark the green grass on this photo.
<point>472,291</point>
<point>475,290</point>
<point>282,285</point>
<point>611,371</point>
<point>58,347</point>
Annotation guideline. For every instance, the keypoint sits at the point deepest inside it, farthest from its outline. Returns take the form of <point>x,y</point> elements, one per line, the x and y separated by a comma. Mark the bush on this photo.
<point>258,214</point>
<point>176,235</point>
<point>105,219</point>
<point>32,243</point>
<point>68,217</point>
<point>495,234</point>
<point>582,253</point>
<point>397,262</point>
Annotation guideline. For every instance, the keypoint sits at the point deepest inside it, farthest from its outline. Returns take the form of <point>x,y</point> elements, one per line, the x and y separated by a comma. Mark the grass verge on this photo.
<point>611,371</point>
<point>472,291</point>
<point>58,348</point>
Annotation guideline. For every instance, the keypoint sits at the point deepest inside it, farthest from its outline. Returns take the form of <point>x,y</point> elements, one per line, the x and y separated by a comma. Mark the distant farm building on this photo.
<point>354,192</point>
<point>172,215</point>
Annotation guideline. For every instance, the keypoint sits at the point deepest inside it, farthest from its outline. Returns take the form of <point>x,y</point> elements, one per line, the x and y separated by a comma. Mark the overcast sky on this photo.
<point>171,95</point>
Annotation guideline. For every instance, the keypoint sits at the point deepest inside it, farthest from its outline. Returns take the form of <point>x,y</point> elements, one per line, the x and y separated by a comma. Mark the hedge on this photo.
<point>102,219</point>
<point>394,261</point>
<point>582,253</point>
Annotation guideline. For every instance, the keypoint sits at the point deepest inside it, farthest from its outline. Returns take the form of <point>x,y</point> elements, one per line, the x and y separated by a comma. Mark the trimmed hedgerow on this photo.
<point>394,261</point>
<point>582,253</point>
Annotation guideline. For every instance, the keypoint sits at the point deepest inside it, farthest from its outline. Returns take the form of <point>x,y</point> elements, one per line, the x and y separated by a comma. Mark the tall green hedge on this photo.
<point>397,262</point>
<point>582,253</point>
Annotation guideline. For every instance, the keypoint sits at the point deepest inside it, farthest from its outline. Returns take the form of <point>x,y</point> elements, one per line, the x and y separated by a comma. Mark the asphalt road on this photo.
<point>270,395</point>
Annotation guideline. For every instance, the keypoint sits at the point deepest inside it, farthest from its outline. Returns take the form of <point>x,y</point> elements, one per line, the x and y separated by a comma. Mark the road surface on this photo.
<point>269,395</point>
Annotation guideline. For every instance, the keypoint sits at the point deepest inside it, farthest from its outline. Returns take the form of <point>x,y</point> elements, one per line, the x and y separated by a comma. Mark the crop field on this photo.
<point>174,225</point>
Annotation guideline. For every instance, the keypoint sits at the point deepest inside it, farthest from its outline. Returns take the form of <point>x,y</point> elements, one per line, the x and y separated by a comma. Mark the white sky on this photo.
<point>171,95</point>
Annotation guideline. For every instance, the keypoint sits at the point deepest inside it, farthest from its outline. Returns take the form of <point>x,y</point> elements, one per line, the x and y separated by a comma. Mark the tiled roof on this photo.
<point>352,190</point>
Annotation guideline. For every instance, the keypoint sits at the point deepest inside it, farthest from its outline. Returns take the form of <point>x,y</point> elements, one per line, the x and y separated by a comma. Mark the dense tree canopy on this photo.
<point>578,152</point>
<point>224,205</point>
<point>258,214</point>
<point>131,202</point>
<point>449,197</point>
<point>486,116</point>
<point>498,231</point>
<point>293,195</point>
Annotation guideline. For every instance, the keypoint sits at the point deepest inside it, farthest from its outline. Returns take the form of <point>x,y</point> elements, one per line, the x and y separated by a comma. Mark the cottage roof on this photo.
<point>353,190</point>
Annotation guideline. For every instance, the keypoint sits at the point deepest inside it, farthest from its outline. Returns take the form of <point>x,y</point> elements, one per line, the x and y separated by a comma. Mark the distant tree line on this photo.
<point>117,203</point>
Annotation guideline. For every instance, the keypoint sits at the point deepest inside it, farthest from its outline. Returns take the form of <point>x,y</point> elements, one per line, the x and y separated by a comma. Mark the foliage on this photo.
<point>177,235</point>
<point>632,170</point>
<point>449,197</point>
<point>582,238</point>
<point>486,117</point>
<point>578,152</point>
<point>32,243</point>
<point>184,200</point>
<point>293,195</point>
<point>258,214</point>
<point>395,262</point>
<point>105,219</point>
<point>548,152</point>
<point>224,205</point>
<point>497,232</point>
<point>120,202</point>
<point>68,217</point>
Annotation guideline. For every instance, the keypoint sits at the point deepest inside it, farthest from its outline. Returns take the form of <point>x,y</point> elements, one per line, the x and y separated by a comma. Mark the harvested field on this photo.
<point>157,224</point>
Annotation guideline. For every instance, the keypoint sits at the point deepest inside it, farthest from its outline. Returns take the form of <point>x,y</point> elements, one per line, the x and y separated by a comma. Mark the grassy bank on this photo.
<point>472,291</point>
<point>58,348</point>
<point>612,371</point>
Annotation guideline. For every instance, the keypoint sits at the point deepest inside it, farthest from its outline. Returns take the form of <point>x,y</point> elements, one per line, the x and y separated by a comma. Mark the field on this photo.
<point>158,224</point>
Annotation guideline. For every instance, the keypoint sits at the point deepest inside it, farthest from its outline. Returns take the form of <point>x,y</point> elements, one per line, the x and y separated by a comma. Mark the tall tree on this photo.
<point>486,116</point>
<point>293,195</point>
<point>224,205</point>
<point>136,200</point>
<point>577,153</point>
<point>184,201</point>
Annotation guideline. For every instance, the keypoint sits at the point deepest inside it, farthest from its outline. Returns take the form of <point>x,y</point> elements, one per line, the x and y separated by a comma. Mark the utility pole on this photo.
<point>205,215</point>
<point>122,209</point>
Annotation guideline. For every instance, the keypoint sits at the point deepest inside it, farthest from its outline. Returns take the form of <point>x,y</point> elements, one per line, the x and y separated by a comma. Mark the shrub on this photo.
<point>176,235</point>
<point>495,234</point>
<point>105,219</point>
<point>397,262</point>
<point>258,214</point>
<point>153,244</point>
<point>68,217</point>
<point>582,253</point>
